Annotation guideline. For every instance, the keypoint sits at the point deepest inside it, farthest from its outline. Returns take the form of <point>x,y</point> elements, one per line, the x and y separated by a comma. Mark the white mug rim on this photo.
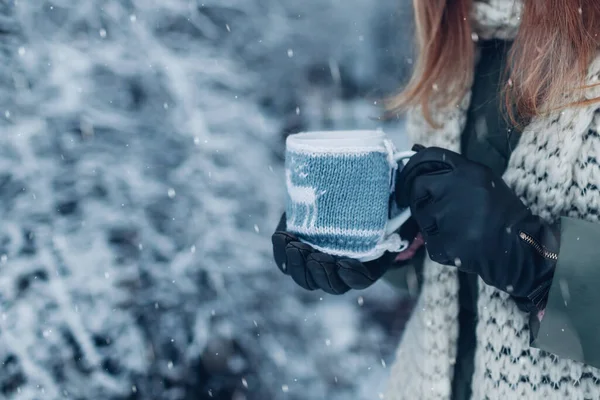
<point>337,141</point>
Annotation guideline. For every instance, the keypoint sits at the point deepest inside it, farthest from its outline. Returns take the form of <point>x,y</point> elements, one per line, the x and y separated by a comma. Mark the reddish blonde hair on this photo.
<point>548,60</point>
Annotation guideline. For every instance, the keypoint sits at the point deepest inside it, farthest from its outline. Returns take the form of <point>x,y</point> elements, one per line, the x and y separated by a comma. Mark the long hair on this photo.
<point>547,65</point>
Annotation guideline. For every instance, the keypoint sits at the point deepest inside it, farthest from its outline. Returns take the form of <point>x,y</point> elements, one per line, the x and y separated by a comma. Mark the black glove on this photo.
<point>313,269</point>
<point>470,218</point>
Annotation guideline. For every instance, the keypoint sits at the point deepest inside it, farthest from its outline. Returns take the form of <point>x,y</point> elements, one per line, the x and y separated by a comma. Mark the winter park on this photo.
<point>299,200</point>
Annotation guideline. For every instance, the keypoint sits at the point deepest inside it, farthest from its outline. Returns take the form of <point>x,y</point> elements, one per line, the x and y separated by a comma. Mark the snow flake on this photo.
<point>171,193</point>
<point>244,383</point>
<point>102,33</point>
<point>361,301</point>
<point>285,388</point>
<point>564,290</point>
<point>290,53</point>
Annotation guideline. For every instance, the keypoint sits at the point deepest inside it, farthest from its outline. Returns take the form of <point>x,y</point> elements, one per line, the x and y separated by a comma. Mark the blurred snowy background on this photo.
<point>140,179</point>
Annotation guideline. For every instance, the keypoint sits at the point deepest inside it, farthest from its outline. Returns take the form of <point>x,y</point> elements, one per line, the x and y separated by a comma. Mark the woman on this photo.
<point>509,292</point>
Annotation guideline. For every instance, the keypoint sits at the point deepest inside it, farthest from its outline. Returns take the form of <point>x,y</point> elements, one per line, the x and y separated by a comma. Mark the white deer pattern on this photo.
<point>303,196</point>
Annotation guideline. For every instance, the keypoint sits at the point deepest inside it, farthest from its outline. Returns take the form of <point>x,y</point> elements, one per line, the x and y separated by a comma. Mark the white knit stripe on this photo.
<point>319,230</point>
<point>392,244</point>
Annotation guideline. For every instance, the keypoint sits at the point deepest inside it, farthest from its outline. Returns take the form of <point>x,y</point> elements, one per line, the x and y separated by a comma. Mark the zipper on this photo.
<point>538,247</point>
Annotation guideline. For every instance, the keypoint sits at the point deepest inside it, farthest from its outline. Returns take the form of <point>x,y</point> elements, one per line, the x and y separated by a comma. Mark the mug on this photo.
<point>339,186</point>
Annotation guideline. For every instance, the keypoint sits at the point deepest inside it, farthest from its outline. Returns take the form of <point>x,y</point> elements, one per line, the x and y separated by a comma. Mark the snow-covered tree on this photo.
<point>140,179</point>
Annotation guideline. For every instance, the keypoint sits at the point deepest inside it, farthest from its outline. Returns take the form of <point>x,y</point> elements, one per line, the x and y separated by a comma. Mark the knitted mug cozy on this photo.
<point>338,192</point>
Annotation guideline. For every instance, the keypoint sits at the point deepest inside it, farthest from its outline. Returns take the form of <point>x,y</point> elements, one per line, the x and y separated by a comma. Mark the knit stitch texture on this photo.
<point>338,201</point>
<point>554,170</point>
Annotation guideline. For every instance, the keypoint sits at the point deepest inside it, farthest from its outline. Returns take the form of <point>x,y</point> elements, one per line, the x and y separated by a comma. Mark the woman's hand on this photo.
<point>471,219</point>
<point>312,269</point>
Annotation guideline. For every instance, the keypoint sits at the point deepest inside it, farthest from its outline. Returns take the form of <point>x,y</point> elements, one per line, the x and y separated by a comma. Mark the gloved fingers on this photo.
<point>427,194</point>
<point>429,161</point>
<point>280,240</point>
<point>360,275</point>
<point>409,230</point>
<point>324,270</point>
<point>435,158</point>
<point>418,147</point>
<point>296,256</point>
<point>422,203</point>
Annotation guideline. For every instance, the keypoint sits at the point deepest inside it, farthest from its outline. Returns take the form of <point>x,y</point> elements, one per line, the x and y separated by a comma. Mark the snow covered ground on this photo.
<point>140,179</point>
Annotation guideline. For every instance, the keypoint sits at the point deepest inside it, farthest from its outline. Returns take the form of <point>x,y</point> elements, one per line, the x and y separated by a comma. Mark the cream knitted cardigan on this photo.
<point>555,170</point>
